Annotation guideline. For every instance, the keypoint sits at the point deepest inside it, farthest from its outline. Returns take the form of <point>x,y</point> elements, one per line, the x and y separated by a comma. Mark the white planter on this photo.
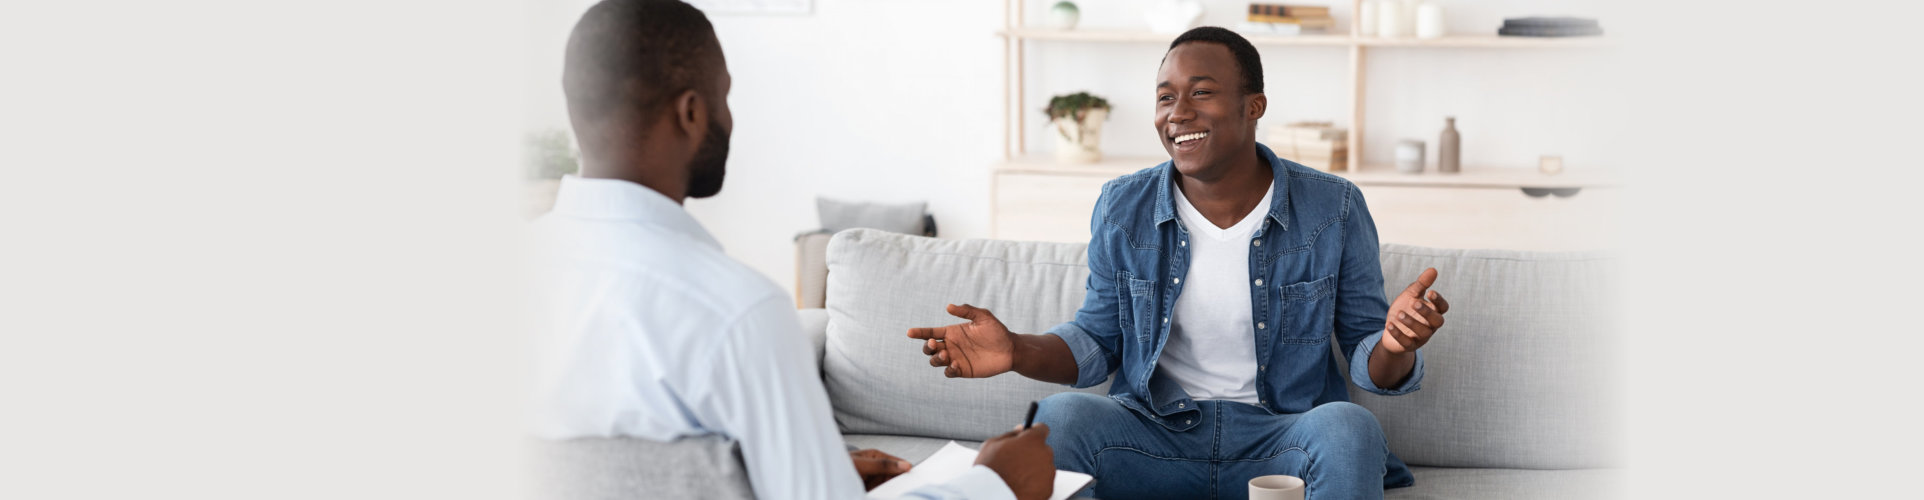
<point>1080,141</point>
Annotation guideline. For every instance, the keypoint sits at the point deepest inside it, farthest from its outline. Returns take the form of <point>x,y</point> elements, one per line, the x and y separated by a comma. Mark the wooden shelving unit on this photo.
<point>1368,175</point>
<point>1015,36</point>
<point>1330,40</point>
<point>1033,197</point>
<point>1140,36</point>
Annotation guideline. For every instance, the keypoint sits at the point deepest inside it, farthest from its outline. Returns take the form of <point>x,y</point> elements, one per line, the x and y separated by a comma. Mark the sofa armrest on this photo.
<point>815,326</point>
<point>811,269</point>
<point>705,466</point>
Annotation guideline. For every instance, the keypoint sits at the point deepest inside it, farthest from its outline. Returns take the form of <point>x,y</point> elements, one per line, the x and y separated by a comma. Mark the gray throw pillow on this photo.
<point>837,215</point>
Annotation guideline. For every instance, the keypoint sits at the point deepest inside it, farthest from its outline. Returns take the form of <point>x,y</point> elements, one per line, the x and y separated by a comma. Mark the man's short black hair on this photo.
<point>1246,57</point>
<point>636,55</point>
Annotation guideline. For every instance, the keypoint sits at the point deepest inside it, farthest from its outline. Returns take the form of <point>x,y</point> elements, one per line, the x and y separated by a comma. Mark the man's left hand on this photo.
<point>876,467</point>
<point>1415,315</point>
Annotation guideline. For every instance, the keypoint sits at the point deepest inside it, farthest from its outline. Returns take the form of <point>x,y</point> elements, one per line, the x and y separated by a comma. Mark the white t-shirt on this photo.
<point>1212,341</point>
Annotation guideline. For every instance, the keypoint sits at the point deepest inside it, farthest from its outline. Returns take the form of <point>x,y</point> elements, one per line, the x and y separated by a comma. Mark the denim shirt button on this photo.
<point>1259,282</point>
<point>1186,421</point>
<point>1165,320</point>
<point>1182,243</point>
<point>1262,368</point>
<point>1175,281</point>
<point>1261,325</point>
<point>1180,405</point>
<point>1256,242</point>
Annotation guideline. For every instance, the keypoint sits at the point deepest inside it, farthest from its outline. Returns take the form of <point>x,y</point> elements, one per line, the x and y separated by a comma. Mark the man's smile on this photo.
<point>1189,141</point>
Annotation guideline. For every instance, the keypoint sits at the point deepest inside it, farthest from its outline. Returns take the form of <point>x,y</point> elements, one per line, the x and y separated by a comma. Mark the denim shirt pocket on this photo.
<point>1309,311</point>
<point>1138,312</point>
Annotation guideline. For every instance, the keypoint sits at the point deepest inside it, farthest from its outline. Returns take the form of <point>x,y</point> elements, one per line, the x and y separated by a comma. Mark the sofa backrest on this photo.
<point>881,284</point>
<point>1524,373</point>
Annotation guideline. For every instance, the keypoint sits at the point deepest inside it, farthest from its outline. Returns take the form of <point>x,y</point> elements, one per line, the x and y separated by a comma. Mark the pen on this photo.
<point>1030,420</point>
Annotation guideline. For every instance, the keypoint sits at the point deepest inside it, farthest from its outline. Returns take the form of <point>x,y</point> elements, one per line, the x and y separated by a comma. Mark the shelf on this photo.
<point>1143,36</point>
<point>1370,175</point>
<point>1328,40</point>
<point>1110,166</point>
<point>1472,177</point>
<point>1489,42</point>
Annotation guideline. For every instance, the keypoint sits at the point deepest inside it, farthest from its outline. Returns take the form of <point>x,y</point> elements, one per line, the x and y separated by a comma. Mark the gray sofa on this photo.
<point>1519,399</point>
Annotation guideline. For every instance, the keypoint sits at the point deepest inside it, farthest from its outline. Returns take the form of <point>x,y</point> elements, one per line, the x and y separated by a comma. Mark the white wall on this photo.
<point>900,100</point>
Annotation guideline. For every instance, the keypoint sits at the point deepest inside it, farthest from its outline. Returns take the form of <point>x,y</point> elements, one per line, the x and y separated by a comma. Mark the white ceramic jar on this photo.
<point>1368,15</point>
<point>1429,20</point>
<point>1389,19</point>
<point>1409,156</point>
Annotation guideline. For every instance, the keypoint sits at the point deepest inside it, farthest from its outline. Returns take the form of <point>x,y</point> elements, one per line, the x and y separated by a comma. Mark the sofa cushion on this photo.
<point>1431,482</point>
<point>628,468</point>
<point>1523,373</point>
<point>881,284</point>
<point>837,215</point>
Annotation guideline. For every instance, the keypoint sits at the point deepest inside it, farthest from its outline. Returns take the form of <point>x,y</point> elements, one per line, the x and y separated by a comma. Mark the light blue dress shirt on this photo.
<point>651,331</point>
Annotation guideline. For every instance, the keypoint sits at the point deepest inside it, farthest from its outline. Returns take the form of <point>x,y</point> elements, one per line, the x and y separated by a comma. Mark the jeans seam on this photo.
<point>1216,453</point>
<point>1145,453</point>
<point>1271,456</point>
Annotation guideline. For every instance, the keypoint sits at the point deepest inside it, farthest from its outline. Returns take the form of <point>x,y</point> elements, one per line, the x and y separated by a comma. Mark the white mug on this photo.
<point>1277,487</point>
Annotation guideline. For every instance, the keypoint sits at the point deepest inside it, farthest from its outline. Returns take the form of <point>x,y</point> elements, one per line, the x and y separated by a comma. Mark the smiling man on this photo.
<point>1217,281</point>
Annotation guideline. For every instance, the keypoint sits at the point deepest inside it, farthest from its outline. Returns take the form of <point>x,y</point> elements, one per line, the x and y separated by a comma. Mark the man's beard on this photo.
<point>710,164</point>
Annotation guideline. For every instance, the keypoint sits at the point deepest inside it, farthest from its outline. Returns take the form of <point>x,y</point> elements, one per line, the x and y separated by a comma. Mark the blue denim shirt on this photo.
<point>1313,274</point>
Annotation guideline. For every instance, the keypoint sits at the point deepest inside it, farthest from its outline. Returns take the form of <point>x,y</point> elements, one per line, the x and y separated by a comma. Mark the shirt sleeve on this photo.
<point>1094,334</point>
<point>1360,305</point>
<point>767,394</point>
<point>765,391</point>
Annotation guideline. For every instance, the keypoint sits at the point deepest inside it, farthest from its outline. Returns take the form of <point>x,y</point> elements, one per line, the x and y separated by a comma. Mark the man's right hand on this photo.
<point>1023,458</point>
<point>979,348</point>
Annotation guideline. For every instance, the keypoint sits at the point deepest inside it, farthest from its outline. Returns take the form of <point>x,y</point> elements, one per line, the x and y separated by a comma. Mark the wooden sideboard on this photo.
<point>1034,198</point>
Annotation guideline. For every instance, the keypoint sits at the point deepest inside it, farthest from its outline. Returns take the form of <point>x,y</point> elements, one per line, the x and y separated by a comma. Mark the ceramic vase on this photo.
<point>1173,16</point>
<point>1064,15</point>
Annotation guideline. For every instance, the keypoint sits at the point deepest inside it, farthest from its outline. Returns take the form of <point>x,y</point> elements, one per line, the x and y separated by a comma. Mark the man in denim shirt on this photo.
<point>1216,282</point>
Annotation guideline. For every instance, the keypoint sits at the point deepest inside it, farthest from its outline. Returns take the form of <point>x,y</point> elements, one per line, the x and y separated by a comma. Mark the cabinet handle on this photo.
<point>1539,192</point>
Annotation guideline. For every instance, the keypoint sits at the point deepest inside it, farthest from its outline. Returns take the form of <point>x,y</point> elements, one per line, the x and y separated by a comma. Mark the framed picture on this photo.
<point>753,6</point>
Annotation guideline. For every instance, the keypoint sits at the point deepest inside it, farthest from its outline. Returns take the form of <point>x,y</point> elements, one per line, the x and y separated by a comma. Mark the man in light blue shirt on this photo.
<point>651,330</point>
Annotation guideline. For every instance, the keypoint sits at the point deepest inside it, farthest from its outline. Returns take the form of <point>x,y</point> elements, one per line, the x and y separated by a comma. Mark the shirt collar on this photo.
<point>1279,196</point>
<point>619,200</point>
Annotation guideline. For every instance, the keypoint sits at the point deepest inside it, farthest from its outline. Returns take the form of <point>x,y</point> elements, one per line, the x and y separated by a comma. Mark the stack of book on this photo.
<point>1280,19</point>
<point>1317,145</point>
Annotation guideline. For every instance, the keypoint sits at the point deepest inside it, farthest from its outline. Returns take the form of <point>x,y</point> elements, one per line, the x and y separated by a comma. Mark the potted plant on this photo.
<point>1078,121</point>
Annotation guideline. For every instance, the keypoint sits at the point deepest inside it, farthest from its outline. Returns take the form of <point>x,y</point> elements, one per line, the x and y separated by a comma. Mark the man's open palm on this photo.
<point>977,349</point>
<point>1414,316</point>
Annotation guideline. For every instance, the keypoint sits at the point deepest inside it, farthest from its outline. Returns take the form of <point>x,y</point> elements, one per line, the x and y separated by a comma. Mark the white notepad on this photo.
<point>953,460</point>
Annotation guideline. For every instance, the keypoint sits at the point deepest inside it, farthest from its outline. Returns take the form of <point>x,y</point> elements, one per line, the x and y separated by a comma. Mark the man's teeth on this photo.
<point>1191,137</point>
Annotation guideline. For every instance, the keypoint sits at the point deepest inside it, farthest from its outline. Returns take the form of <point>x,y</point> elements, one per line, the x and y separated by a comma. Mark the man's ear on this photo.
<point>1258,104</point>
<point>691,114</point>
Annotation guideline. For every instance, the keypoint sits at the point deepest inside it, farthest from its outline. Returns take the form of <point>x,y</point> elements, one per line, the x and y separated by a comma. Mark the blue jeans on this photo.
<point>1337,448</point>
